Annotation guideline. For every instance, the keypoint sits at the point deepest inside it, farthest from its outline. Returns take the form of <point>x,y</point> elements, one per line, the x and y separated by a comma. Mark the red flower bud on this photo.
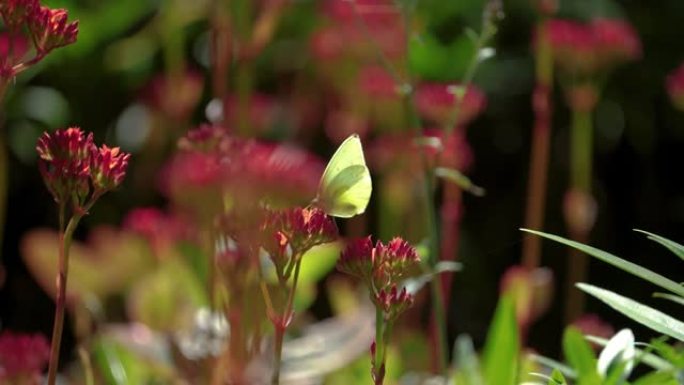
<point>15,12</point>
<point>108,167</point>
<point>50,30</point>
<point>65,162</point>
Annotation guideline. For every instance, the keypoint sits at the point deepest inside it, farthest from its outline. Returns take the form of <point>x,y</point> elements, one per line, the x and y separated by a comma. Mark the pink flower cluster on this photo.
<point>596,46</point>
<point>73,167</point>
<point>213,162</point>
<point>352,22</point>
<point>291,232</point>
<point>27,20</point>
<point>382,267</point>
<point>22,358</point>
<point>675,87</point>
<point>442,103</point>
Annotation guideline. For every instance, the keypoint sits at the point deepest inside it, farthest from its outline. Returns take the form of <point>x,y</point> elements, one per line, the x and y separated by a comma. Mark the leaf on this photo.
<point>673,246</point>
<point>164,298</point>
<point>643,314</point>
<point>579,355</point>
<point>124,257</point>
<point>657,378</point>
<point>345,187</point>
<point>118,365</point>
<point>557,378</point>
<point>462,181</point>
<point>673,298</point>
<point>502,348</point>
<point>318,262</point>
<point>413,285</point>
<point>618,262</point>
<point>553,364</point>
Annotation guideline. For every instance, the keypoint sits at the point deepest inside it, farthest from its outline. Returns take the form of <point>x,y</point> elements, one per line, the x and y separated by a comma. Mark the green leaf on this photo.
<point>657,378</point>
<point>454,176</point>
<point>117,364</point>
<point>318,262</point>
<point>557,378</point>
<point>553,364</point>
<point>673,298</point>
<point>502,349</point>
<point>618,262</point>
<point>673,246</point>
<point>643,314</point>
<point>580,356</point>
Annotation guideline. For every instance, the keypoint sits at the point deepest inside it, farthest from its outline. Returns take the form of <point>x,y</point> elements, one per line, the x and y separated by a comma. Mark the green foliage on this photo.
<point>501,352</point>
<point>580,356</point>
<point>618,262</point>
<point>643,314</point>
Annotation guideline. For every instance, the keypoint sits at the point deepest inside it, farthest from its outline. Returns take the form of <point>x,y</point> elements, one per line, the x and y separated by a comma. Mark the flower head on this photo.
<point>394,301</point>
<point>16,12</point>
<point>598,46</point>
<point>65,161</point>
<point>297,229</point>
<point>50,30</point>
<point>438,102</point>
<point>108,167</point>
<point>22,357</point>
<point>380,266</point>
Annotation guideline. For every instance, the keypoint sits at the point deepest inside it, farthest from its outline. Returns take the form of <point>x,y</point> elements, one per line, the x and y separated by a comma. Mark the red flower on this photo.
<point>375,81</point>
<point>675,86</point>
<point>13,48</point>
<point>300,229</point>
<point>50,30</point>
<point>109,167</point>
<point>438,102</point>
<point>393,301</point>
<point>177,99</point>
<point>22,357</point>
<point>380,266</point>
<point>65,161</point>
<point>15,12</point>
<point>586,48</point>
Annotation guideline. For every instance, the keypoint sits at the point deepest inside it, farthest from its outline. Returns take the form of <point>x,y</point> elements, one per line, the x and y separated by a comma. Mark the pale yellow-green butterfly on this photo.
<point>345,187</point>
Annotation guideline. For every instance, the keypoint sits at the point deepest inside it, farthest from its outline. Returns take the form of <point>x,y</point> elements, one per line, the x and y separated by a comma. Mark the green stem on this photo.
<point>286,317</point>
<point>65,244</point>
<point>379,357</point>
<point>581,149</point>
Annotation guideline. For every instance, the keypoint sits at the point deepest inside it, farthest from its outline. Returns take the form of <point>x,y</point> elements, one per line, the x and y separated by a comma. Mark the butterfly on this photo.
<point>345,187</point>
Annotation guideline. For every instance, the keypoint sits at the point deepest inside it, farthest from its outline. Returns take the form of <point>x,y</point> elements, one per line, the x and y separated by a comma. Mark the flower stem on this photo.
<point>539,159</point>
<point>65,238</point>
<point>283,323</point>
<point>378,369</point>
<point>581,143</point>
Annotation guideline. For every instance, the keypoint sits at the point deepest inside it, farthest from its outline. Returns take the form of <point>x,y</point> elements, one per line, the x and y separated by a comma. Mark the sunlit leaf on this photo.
<point>318,262</point>
<point>618,262</point>
<point>649,359</point>
<point>123,256</point>
<point>579,355</point>
<point>673,298</point>
<point>618,355</point>
<point>643,314</point>
<point>500,357</point>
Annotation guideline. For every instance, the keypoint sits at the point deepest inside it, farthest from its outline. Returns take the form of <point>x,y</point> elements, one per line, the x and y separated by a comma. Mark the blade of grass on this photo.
<point>642,314</point>
<point>673,246</point>
<point>618,262</point>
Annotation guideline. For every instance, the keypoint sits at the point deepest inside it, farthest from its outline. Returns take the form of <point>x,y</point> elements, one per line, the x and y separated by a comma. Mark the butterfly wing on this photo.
<point>345,187</point>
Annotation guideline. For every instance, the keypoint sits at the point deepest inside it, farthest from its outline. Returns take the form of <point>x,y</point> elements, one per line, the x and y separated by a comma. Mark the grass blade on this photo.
<point>618,262</point>
<point>673,246</point>
<point>642,314</point>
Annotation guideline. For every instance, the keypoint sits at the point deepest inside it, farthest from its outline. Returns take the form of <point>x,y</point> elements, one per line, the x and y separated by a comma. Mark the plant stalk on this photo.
<point>539,159</point>
<point>581,143</point>
<point>65,238</point>
<point>285,319</point>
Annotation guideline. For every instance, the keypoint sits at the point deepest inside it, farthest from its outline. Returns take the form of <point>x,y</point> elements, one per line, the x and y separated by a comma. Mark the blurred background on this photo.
<point>112,82</point>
